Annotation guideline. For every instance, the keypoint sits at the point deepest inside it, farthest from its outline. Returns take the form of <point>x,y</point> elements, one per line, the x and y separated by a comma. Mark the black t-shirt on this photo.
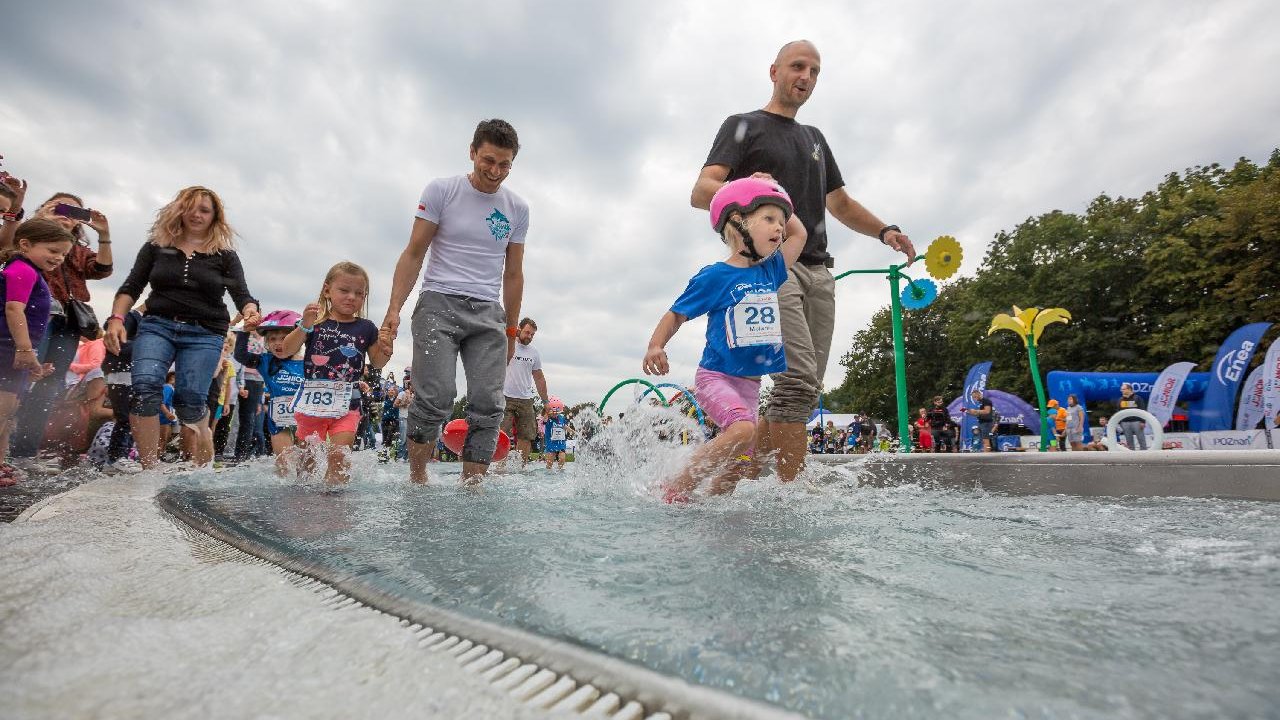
<point>189,289</point>
<point>986,411</point>
<point>796,155</point>
<point>1133,402</point>
<point>939,418</point>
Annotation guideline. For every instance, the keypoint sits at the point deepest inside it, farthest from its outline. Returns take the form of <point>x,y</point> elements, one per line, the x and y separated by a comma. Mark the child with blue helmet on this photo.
<point>281,376</point>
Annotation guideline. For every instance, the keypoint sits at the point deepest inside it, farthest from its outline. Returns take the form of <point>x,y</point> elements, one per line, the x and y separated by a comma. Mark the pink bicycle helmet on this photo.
<point>279,320</point>
<point>554,404</point>
<point>745,195</point>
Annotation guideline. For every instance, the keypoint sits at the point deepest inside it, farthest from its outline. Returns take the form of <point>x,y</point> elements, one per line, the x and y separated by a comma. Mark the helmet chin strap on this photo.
<point>750,253</point>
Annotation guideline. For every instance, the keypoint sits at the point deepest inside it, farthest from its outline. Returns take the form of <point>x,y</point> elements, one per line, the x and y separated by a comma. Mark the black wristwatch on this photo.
<point>886,229</point>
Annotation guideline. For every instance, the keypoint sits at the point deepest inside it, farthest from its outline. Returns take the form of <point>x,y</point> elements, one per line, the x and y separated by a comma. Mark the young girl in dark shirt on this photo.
<point>189,263</point>
<point>337,340</point>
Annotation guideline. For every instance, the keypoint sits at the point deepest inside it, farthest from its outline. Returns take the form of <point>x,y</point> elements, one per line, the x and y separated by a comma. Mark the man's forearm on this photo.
<point>407,268</point>
<point>853,215</point>
<point>512,295</point>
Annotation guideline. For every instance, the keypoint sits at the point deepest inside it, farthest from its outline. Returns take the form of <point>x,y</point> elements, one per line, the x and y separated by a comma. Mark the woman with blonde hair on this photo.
<point>190,262</point>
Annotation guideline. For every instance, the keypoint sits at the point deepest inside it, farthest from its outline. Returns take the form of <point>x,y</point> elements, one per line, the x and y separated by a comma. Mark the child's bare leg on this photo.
<point>560,459</point>
<point>738,468</point>
<point>282,448</point>
<point>8,408</point>
<point>714,456</point>
<point>339,449</point>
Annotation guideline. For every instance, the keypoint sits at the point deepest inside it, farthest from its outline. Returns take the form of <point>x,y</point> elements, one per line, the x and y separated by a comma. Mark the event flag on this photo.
<point>976,379</point>
<point>1251,394</point>
<point>1225,376</point>
<point>1271,384</point>
<point>1165,391</point>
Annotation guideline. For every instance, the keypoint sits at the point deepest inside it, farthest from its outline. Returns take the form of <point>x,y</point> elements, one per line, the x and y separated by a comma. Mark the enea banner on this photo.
<point>1165,391</point>
<point>976,379</point>
<point>1228,371</point>
<point>1250,410</point>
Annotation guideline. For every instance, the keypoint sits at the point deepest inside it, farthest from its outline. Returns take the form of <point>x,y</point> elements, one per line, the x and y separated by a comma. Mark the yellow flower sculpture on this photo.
<point>943,257</point>
<point>1028,324</point>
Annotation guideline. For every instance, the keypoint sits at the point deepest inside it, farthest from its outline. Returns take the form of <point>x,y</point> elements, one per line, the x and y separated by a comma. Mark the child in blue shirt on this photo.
<point>281,378</point>
<point>739,296</point>
<point>555,433</point>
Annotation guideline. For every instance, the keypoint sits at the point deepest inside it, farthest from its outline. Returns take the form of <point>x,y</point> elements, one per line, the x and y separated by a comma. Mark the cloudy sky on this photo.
<point>320,122</point>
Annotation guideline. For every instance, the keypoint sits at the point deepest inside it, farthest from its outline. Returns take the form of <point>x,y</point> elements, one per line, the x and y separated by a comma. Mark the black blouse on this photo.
<point>188,289</point>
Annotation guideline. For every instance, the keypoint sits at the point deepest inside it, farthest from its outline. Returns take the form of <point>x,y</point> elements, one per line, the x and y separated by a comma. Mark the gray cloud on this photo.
<point>320,123</point>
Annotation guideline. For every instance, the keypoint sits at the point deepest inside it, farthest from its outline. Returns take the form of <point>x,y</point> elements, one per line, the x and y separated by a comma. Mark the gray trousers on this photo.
<point>807,303</point>
<point>445,327</point>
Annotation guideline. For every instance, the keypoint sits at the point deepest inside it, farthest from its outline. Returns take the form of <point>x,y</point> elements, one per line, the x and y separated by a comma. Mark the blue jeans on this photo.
<point>195,354</point>
<point>60,345</point>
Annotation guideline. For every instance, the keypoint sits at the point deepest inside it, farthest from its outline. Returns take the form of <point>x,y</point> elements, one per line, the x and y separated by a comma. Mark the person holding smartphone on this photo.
<point>66,283</point>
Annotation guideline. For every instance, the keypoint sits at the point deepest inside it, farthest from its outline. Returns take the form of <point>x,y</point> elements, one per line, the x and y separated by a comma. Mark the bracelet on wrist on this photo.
<point>886,229</point>
<point>25,350</point>
<point>116,317</point>
<point>304,328</point>
<point>512,330</point>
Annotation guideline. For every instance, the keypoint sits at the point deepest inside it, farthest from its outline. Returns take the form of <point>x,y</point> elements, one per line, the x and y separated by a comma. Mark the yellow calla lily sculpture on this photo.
<point>1029,324</point>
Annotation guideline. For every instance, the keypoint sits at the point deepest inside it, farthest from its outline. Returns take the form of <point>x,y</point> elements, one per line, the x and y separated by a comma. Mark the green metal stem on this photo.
<point>631,381</point>
<point>899,358</point>
<point>1045,437</point>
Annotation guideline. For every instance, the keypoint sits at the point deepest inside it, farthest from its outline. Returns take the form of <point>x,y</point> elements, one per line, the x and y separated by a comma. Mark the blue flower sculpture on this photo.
<point>919,294</point>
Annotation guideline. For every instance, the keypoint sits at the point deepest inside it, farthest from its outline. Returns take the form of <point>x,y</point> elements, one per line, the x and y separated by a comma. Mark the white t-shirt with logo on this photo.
<point>519,382</point>
<point>466,256</point>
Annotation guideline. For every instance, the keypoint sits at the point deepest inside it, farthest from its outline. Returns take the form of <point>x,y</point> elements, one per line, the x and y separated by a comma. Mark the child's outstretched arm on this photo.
<point>380,351</point>
<point>294,341</point>
<point>655,360</point>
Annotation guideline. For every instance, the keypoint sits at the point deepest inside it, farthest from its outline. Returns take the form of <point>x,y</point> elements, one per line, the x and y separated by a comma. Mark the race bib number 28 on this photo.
<point>754,321</point>
<point>323,399</point>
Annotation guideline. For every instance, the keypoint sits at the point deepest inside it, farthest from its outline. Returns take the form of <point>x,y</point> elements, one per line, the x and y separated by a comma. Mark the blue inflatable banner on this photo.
<point>1217,409</point>
<point>976,379</point>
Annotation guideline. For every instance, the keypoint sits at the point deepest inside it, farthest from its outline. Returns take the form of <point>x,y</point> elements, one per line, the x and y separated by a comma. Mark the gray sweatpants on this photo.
<point>445,327</point>
<point>807,303</point>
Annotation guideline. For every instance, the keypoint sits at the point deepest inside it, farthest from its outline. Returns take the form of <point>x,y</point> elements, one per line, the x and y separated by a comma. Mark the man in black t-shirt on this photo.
<point>986,415</point>
<point>769,142</point>
<point>941,427</point>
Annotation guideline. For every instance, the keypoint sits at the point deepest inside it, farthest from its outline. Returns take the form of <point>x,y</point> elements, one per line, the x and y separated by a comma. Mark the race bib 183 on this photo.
<point>753,321</point>
<point>323,399</point>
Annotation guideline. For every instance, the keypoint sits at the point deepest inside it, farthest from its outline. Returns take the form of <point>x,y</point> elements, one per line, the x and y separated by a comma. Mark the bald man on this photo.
<point>771,143</point>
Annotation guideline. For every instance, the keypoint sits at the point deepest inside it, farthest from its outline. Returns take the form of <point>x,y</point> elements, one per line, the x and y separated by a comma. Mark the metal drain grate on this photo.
<point>525,682</point>
<point>538,671</point>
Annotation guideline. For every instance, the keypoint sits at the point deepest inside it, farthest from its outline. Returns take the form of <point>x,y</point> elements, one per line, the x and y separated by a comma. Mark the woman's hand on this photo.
<point>26,361</point>
<point>115,336</point>
<point>251,316</point>
<point>98,222</point>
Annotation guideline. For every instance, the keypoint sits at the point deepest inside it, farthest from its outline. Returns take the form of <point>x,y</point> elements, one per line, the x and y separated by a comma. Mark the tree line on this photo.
<point>1149,281</point>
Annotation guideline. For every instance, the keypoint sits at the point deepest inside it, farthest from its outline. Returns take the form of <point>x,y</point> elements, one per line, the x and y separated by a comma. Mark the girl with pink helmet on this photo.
<point>555,433</point>
<point>739,296</point>
<point>281,377</point>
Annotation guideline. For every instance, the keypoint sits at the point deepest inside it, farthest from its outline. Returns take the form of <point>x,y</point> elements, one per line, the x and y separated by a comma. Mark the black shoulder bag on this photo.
<point>80,316</point>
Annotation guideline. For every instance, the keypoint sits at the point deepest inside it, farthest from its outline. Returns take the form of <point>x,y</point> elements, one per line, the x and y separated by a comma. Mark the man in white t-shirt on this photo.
<point>524,373</point>
<point>475,230</point>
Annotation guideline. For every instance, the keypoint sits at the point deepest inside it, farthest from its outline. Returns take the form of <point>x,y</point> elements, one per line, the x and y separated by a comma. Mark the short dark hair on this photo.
<point>496,132</point>
<point>528,321</point>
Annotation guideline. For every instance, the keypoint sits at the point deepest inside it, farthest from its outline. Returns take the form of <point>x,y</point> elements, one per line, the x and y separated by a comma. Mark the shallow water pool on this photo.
<point>829,599</point>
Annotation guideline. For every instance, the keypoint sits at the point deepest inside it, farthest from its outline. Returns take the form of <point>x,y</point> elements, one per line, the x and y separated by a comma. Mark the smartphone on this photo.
<point>84,215</point>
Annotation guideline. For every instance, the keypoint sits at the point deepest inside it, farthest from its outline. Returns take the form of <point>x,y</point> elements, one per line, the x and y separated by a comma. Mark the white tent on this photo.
<point>840,420</point>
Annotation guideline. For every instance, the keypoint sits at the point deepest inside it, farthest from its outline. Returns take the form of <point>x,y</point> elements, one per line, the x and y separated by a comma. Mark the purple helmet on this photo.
<point>279,320</point>
<point>745,195</point>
